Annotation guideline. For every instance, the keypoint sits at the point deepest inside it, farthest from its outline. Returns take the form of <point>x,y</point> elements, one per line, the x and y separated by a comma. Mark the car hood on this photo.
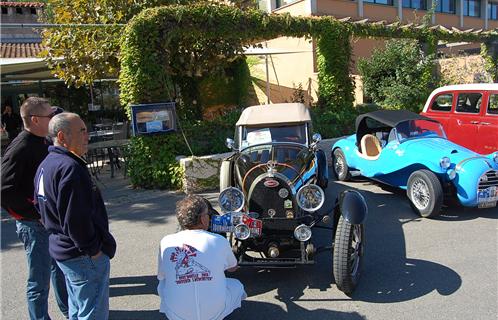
<point>438,148</point>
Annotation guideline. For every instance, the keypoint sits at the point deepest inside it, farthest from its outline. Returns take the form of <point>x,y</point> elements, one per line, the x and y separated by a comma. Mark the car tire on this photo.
<point>348,255</point>
<point>425,193</point>
<point>340,166</point>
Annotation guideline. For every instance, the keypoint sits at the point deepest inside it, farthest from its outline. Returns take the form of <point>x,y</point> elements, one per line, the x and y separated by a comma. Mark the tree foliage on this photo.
<point>396,77</point>
<point>92,52</point>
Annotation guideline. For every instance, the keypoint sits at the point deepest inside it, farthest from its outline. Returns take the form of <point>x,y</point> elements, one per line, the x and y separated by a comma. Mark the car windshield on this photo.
<point>262,135</point>
<point>413,129</point>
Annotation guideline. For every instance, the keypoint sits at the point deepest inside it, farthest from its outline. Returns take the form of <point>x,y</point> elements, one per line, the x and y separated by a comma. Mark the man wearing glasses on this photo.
<point>19,165</point>
<point>192,265</point>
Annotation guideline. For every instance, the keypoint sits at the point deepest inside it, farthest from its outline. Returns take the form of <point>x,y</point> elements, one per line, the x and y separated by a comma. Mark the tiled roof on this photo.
<point>20,50</point>
<point>22,4</point>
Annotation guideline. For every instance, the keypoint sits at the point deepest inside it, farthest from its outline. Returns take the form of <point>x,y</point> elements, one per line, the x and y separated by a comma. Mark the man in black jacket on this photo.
<point>74,213</point>
<point>19,165</point>
<point>11,122</point>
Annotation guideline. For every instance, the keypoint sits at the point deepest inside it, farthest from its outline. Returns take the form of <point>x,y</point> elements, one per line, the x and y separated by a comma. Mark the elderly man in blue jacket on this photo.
<point>73,212</point>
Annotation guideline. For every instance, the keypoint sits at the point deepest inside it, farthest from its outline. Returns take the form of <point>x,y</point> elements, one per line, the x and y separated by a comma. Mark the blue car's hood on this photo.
<point>438,148</point>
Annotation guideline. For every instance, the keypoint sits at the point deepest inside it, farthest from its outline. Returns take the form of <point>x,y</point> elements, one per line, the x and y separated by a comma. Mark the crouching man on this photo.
<point>191,266</point>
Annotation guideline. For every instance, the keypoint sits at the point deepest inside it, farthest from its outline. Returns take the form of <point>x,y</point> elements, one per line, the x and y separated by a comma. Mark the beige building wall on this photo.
<point>286,71</point>
<point>293,69</point>
<point>337,8</point>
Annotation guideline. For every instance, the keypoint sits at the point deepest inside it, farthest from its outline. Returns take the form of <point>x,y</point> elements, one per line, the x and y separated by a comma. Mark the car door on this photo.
<point>440,107</point>
<point>487,140</point>
<point>463,123</point>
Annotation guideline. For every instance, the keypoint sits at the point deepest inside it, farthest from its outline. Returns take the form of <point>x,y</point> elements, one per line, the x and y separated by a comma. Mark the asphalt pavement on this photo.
<point>413,268</point>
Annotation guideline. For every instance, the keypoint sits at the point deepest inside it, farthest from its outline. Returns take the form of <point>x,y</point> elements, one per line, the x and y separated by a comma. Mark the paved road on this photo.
<point>445,268</point>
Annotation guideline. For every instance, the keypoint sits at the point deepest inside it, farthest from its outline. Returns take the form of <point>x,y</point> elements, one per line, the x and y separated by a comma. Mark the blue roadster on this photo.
<point>410,151</point>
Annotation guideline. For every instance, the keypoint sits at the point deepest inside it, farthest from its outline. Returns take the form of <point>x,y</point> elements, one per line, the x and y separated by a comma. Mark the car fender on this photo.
<point>353,206</point>
<point>468,174</point>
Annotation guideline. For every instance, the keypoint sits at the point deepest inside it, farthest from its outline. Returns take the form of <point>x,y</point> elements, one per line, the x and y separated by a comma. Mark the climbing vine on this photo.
<point>163,45</point>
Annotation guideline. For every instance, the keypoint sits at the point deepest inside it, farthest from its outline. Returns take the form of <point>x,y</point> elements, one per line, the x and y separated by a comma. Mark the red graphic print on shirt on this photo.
<point>187,269</point>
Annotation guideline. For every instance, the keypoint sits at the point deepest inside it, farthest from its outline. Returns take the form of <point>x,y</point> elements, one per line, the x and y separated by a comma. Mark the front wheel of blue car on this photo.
<point>425,193</point>
<point>348,255</point>
<point>340,166</point>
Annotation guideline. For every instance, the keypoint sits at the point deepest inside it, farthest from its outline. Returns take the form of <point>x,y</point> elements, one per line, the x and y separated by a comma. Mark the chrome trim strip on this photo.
<point>459,166</point>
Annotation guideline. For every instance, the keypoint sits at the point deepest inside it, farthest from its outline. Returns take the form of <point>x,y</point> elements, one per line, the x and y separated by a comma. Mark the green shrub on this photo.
<point>396,77</point>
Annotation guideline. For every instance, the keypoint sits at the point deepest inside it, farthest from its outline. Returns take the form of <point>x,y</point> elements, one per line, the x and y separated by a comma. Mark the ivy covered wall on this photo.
<point>164,46</point>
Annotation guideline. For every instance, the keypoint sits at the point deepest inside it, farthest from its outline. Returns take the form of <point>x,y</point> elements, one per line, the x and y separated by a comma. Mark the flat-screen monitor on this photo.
<point>154,118</point>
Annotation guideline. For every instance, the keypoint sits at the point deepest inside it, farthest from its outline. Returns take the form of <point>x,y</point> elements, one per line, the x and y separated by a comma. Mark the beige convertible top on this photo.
<point>274,114</point>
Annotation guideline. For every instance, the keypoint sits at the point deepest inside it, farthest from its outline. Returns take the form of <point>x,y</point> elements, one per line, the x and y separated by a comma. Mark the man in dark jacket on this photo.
<point>73,212</point>
<point>19,165</point>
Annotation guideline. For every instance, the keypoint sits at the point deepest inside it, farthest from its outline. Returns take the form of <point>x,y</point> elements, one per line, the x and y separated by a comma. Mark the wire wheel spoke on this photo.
<point>420,194</point>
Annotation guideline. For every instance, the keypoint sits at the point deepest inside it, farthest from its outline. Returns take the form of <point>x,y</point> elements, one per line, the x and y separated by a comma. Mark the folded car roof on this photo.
<point>274,114</point>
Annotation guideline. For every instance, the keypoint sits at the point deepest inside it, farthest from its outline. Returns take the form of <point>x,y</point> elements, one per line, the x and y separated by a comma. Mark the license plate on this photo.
<point>487,198</point>
<point>227,223</point>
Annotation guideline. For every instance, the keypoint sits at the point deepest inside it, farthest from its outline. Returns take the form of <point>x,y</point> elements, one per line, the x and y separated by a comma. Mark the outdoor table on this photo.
<point>101,135</point>
<point>110,146</point>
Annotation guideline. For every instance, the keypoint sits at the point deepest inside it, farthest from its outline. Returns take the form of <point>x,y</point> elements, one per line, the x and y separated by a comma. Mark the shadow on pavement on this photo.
<point>136,315</point>
<point>388,274</point>
<point>131,286</point>
<point>134,286</point>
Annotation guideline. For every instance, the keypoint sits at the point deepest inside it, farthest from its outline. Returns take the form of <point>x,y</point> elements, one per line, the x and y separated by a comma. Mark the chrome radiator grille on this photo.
<point>489,179</point>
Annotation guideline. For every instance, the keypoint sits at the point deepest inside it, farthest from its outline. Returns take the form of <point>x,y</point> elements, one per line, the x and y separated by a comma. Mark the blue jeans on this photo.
<point>41,268</point>
<point>88,287</point>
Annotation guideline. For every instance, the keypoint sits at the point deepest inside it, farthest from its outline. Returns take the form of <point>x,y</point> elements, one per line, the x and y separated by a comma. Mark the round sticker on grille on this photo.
<point>283,193</point>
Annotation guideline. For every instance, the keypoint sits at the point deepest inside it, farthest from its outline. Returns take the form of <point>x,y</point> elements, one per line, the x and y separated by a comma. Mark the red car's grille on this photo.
<point>488,179</point>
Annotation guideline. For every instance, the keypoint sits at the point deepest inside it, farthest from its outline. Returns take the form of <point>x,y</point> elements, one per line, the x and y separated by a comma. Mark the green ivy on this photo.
<point>164,48</point>
<point>490,60</point>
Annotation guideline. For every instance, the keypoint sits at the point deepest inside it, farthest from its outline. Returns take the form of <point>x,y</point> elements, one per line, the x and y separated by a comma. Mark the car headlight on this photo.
<point>302,233</point>
<point>310,197</point>
<point>445,162</point>
<point>231,200</point>
<point>495,157</point>
<point>451,174</point>
<point>242,231</point>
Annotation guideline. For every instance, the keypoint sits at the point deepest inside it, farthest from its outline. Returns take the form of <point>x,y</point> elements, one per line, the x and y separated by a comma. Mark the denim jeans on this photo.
<point>88,287</point>
<point>41,268</point>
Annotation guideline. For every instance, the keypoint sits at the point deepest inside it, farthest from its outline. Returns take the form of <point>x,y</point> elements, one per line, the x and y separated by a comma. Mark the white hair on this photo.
<point>61,123</point>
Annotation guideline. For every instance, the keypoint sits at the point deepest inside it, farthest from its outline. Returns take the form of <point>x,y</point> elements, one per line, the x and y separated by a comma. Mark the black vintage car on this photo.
<point>272,196</point>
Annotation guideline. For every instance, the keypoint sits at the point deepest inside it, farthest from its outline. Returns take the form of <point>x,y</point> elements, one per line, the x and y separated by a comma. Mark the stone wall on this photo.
<point>203,173</point>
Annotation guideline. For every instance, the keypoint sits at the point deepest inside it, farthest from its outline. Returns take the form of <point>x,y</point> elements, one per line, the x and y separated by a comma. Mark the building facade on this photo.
<point>301,67</point>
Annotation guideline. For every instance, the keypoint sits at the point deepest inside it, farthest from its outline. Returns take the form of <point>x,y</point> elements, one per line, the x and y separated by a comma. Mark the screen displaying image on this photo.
<point>154,118</point>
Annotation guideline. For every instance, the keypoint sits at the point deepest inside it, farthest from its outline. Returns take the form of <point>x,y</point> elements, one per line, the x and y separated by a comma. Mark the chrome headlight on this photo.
<point>445,162</point>
<point>302,233</point>
<point>242,231</point>
<point>231,200</point>
<point>310,197</point>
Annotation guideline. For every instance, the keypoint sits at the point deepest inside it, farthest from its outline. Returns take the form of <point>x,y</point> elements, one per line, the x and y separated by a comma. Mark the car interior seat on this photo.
<point>370,147</point>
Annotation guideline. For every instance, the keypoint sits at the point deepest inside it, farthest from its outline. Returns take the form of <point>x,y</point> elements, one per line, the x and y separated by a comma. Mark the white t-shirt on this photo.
<point>192,283</point>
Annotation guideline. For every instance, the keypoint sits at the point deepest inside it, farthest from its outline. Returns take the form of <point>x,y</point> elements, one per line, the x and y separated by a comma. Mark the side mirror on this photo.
<point>230,143</point>
<point>316,138</point>
<point>353,206</point>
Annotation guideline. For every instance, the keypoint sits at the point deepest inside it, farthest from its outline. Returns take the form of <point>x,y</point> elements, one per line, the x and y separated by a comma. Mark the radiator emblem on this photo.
<point>271,183</point>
